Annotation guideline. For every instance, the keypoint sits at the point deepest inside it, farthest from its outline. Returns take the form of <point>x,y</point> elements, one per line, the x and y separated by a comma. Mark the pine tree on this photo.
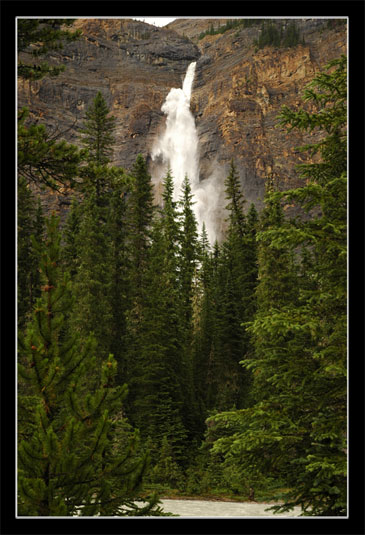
<point>249,301</point>
<point>69,464</point>
<point>94,246</point>
<point>167,471</point>
<point>236,203</point>
<point>43,157</point>
<point>291,36</point>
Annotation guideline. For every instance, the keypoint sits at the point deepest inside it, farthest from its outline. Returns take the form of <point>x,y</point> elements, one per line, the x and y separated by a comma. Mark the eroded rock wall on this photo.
<point>237,94</point>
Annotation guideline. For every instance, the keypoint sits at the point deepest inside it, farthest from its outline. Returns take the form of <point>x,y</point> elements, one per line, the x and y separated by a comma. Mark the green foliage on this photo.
<point>247,337</point>
<point>96,235</point>
<point>97,137</point>
<point>75,455</point>
<point>43,158</point>
<point>273,34</point>
<point>116,227</point>
<point>97,132</point>
<point>92,283</point>
<point>139,220</point>
<point>166,470</point>
<point>37,37</point>
<point>224,299</point>
<point>30,222</point>
<point>269,36</point>
<point>188,265</point>
<point>230,24</point>
<point>70,236</point>
<point>140,215</point>
<point>156,381</point>
<point>296,430</point>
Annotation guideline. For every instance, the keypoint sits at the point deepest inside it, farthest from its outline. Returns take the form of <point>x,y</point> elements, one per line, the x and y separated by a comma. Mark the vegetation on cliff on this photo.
<point>271,33</point>
<point>234,353</point>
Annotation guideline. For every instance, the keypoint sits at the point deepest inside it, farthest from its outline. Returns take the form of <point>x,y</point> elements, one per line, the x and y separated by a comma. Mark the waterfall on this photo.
<point>178,148</point>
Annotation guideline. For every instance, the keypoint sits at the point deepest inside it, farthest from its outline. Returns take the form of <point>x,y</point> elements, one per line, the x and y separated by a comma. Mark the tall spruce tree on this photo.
<point>188,265</point>
<point>189,251</point>
<point>97,131</point>
<point>139,218</point>
<point>98,265</point>
<point>98,139</point>
<point>74,455</point>
<point>204,325</point>
<point>140,212</point>
<point>235,282</point>
<point>118,230</point>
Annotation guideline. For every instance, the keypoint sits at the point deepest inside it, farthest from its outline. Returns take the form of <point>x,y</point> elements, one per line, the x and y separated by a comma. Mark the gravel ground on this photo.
<point>190,508</point>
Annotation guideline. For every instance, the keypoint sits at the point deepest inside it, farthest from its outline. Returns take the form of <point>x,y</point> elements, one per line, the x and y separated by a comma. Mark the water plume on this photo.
<point>178,149</point>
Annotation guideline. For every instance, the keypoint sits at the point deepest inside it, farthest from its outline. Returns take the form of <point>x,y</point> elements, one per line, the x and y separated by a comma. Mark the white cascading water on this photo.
<point>178,147</point>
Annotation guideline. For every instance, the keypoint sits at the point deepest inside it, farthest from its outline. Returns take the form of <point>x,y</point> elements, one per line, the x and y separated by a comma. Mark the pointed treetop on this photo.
<point>98,131</point>
<point>237,201</point>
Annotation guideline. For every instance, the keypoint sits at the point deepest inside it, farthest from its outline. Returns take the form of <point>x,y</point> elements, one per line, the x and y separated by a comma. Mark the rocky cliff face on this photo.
<point>238,90</point>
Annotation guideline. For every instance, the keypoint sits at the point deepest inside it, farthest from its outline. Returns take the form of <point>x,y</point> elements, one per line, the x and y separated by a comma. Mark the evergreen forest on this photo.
<point>154,363</point>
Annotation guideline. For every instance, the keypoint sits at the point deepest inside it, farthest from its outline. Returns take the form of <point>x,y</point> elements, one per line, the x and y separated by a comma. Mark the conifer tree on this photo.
<point>188,266</point>
<point>235,282</point>
<point>140,216</point>
<point>97,136</point>
<point>236,203</point>
<point>70,236</point>
<point>291,36</point>
<point>30,222</point>
<point>92,283</point>
<point>277,289</point>
<point>189,245</point>
<point>69,464</point>
<point>97,131</point>
<point>98,231</point>
<point>204,326</point>
<point>249,299</point>
<point>120,267</point>
<point>139,219</point>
